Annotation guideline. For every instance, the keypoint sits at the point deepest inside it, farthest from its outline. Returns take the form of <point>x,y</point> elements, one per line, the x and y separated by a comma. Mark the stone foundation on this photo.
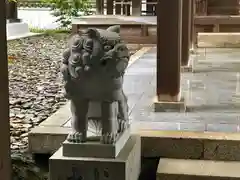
<point>126,166</point>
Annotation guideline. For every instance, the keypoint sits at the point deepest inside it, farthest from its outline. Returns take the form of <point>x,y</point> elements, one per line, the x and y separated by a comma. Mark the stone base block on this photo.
<point>180,169</point>
<point>14,29</point>
<point>126,166</point>
<point>167,106</point>
<point>96,149</point>
<point>186,69</point>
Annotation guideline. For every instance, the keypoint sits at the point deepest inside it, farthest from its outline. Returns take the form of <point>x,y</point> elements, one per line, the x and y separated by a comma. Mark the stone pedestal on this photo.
<point>169,105</point>
<point>89,149</point>
<point>126,166</point>
<point>16,29</point>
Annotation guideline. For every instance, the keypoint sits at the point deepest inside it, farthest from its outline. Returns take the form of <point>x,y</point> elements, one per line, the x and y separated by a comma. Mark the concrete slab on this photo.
<point>212,120</point>
<point>220,40</point>
<point>175,169</point>
<point>18,30</point>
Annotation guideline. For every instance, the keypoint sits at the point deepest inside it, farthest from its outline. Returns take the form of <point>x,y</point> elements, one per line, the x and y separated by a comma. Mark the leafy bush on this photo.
<point>66,9</point>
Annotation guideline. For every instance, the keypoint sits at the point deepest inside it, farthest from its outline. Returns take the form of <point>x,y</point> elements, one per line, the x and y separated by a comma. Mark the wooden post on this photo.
<point>11,11</point>
<point>110,7</point>
<point>186,28</point>
<point>150,7</point>
<point>5,160</point>
<point>192,23</point>
<point>100,6</point>
<point>118,7</point>
<point>136,7</point>
<point>194,28</point>
<point>169,50</point>
<point>127,8</point>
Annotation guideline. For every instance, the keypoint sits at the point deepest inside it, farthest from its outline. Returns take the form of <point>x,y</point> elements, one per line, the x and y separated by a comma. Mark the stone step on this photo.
<point>181,169</point>
<point>219,40</point>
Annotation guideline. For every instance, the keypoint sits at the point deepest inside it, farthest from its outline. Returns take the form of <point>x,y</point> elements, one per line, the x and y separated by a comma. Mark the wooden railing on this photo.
<point>216,7</point>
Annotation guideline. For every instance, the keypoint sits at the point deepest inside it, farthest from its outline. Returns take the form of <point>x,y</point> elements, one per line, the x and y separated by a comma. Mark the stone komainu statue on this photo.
<point>93,67</point>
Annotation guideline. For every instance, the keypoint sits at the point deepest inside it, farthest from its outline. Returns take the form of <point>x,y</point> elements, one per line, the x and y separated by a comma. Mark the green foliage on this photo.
<point>64,10</point>
<point>50,31</point>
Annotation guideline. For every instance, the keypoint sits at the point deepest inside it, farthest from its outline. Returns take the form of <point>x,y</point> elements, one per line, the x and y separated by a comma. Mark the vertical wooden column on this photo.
<point>118,7</point>
<point>192,22</point>
<point>136,7</point>
<point>5,160</point>
<point>186,28</point>
<point>127,8</point>
<point>169,49</point>
<point>149,7</point>
<point>100,6</point>
<point>194,28</point>
<point>11,11</point>
<point>109,7</point>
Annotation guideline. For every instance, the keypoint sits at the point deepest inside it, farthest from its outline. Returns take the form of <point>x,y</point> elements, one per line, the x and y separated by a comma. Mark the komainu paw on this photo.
<point>123,124</point>
<point>76,137</point>
<point>109,138</point>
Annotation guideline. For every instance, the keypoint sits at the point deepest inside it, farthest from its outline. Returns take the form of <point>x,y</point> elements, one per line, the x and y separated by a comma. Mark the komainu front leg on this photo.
<point>109,122</point>
<point>123,117</point>
<point>79,110</point>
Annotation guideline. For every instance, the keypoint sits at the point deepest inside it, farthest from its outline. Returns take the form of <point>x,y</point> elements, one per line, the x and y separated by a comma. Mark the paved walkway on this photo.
<point>210,95</point>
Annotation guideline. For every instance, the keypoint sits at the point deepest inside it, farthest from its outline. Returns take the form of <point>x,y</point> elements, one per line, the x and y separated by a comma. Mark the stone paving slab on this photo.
<point>209,98</point>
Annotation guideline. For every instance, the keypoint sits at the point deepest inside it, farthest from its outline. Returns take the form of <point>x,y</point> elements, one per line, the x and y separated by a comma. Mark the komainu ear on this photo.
<point>115,28</point>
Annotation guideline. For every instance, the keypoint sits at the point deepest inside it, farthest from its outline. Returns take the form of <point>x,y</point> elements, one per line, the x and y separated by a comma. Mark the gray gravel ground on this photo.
<point>35,84</point>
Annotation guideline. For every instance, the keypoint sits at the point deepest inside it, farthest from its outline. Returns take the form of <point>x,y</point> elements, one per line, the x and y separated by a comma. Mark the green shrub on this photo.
<point>50,31</point>
<point>64,10</point>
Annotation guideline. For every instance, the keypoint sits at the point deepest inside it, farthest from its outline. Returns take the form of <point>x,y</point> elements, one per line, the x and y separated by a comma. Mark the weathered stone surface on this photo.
<point>126,166</point>
<point>219,40</point>
<point>175,169</point>
<point>95,149</point>
<point>164,106</point>
<point>171,147</point>
<point>222,150</point>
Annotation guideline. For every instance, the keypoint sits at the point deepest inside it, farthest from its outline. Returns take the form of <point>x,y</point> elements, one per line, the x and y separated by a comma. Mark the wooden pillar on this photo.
<point>5,160</point>
<point>118,7</point>
<point>186,28</point>
<point>169,49</point>
<point>99,6</point>
<point>136,7</point>
<point>194,28</point>
<point>11,11</point>
<point>127,8</point>
<point>110,7</point>
<point>149,7</point>
<point>192,22</point>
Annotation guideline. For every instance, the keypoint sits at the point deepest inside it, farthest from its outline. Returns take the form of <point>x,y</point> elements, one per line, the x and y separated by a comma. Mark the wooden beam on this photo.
<point>186,28</point>
<point>11,11</point>
<point>5,160</point>
<point>223,7</point>
<point>126,8</point>
<point>110,7</point>
<point>118,7</point>
<point>169,49</point>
